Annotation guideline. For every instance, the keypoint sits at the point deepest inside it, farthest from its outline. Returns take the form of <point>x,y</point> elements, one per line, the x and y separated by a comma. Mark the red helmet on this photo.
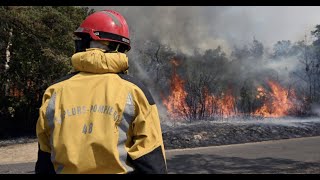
<point>106,25</point>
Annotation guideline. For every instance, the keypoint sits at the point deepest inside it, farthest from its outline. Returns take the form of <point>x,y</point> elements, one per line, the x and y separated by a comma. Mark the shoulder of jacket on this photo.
<point>68,76</point>
<point>140,85</point>
<point>55,85</point>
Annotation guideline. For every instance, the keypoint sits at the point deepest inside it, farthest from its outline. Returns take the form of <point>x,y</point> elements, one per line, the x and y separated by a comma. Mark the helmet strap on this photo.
<point>117,47</point>
<point>116,50</point>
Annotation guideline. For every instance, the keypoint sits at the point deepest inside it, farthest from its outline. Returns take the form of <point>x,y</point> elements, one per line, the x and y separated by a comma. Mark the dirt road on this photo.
<point>300,155</point>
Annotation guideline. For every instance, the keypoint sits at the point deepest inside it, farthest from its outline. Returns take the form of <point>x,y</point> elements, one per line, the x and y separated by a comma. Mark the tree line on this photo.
<point>293,65</point>
<point>36,43</point>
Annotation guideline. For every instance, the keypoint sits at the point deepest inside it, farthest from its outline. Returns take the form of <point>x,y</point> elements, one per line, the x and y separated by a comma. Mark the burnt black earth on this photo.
<point>234,131</point>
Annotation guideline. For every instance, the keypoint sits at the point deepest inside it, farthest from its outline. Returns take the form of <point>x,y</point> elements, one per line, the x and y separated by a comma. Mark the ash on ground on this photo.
<point>236,131</point>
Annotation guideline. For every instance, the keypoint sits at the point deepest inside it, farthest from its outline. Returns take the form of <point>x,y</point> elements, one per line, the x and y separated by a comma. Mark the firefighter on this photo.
<point>99,119</point>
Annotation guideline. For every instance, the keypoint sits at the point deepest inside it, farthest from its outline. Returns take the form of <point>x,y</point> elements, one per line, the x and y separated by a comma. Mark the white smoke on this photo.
<point>315,108</point>
<point>191,27</point>
<point>283,67</point>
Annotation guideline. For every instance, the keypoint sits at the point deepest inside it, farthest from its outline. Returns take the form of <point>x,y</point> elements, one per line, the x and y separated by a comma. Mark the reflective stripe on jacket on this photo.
<point>99,120</point>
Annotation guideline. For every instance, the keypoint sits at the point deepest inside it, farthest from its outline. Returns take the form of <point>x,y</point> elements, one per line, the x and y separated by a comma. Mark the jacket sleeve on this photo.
<point>44,164</point>
<point>147,153</point>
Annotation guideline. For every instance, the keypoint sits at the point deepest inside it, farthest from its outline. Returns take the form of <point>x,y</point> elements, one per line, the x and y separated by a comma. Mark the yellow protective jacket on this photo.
<point>99,120</point>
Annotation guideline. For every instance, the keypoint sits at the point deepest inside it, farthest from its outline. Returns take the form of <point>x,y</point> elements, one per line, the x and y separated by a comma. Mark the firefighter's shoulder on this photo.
<point>64,78</point>
<point>139,84</point>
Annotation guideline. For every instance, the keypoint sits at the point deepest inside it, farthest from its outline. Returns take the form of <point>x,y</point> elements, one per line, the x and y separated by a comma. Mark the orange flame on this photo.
<point>210,102</point>
<point>278,103</point>
<point>227,105</point>
<point>177,106</point>
<point>224,106</point>
<point>176,102</point>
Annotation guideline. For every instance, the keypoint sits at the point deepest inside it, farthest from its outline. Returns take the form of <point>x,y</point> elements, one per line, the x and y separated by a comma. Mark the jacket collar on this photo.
<point>94,60</point>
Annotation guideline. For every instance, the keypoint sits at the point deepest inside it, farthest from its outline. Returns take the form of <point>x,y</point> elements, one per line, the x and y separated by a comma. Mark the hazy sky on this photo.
<point>191,27</point>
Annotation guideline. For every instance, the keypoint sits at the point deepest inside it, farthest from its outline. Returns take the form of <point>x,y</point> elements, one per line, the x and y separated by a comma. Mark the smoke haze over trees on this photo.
<point>220,49</point>
<point>218,55</point>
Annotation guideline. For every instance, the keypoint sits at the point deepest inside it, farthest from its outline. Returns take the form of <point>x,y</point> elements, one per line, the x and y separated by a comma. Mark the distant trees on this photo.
<point>282,49</point>
<point>257,49</point>
<point>314,66</point>
<point>36,43</point>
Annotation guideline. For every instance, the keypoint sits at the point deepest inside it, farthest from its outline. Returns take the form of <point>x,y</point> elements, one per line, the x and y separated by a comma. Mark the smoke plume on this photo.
<point>188,28</point>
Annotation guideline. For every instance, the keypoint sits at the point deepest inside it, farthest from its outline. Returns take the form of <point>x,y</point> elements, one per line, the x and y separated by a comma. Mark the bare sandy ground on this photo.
<point>19,153</point>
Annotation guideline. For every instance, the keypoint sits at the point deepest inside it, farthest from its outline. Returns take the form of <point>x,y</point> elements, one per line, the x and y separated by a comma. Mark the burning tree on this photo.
<point>197,102</point>
<point>210,85</point>
<point>176,102</point>
<point>278,102</point>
